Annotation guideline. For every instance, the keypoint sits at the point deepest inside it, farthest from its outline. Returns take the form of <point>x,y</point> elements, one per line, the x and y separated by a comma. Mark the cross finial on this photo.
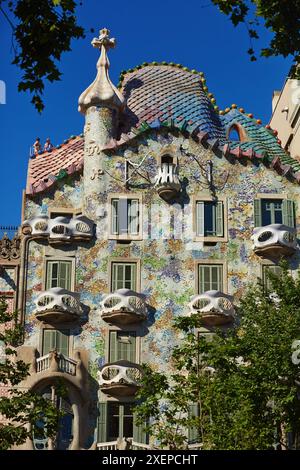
<point>102,91</point>
<point>104,40</point>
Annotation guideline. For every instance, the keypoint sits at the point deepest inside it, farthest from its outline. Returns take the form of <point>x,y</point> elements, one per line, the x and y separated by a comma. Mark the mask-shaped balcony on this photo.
<point>124,307</point>
<point>274,240</point>
<point>57,305</point>
<point>60,229</point>
<point>120,378</point>
<point>213,307</point>
<point>166,181</point>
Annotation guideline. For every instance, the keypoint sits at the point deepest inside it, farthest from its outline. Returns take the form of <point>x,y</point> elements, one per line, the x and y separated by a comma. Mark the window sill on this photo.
<point>210,239</point>
<point>127,238</point>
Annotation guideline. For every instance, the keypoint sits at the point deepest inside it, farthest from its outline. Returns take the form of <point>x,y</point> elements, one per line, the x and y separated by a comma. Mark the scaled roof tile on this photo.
<point>168,96</point>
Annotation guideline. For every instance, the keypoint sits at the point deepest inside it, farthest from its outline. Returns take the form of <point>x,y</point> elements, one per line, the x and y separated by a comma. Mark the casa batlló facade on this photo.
<point>165,206</point>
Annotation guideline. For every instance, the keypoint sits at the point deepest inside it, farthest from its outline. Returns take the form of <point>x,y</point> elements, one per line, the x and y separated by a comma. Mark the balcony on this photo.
<point>120,378</point>
<point>213,307</point>
<point>124,307</point>
<point>58,305</point>
<point>123,443</point>
<point>274,240</point>
<point>167,182</point>
<point>60,229</point>
<point>55,362</point>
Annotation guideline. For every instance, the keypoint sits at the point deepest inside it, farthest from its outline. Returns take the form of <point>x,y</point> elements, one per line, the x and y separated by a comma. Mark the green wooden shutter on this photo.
<point>64,275</point>
<point>49,341</point>
<point>219,219</point>
<point>123,216</point>
<point>139,435</point>
<point>200,219</point>
<point>115,216</point>
<point>51,274</point>
<point>257,213</point>
<point>133,216</point>
<point>193,431</point>
<point>133,277</point>
<point>288,213</point>
<point>62,342</point>
<point>113,346</point>
<point>102,422</point>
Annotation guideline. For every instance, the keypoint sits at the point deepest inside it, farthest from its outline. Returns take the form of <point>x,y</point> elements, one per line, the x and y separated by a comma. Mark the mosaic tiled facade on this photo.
<point>172,201</point>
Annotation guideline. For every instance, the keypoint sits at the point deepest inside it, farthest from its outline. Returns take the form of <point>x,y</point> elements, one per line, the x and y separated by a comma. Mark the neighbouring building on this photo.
<point>286,115</point>
<point>164,206</point>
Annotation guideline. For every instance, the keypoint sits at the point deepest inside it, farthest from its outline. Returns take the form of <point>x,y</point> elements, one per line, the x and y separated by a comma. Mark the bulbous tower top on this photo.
<point>102,91</point>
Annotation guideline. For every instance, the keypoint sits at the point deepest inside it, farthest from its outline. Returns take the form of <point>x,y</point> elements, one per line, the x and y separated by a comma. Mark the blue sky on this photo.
<point>189,32</point>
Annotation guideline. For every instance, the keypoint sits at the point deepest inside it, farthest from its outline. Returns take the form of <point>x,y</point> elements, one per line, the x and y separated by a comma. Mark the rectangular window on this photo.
<point>269,268</point>
<point>58,274</point>
<point>209,219</point>
<point>125,217</point>
<point>274,211</point>
<point>56,339</point>
<point>122,346</point>
<point>120,420</point>
<point>123,276</point>
<point>210,277</point>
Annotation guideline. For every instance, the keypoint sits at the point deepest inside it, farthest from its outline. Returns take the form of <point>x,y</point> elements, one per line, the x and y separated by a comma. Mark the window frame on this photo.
<point>130,331</point>
<point>135,261</point>
<point>273,196</point>
<point>214,238</point>
<point>125,236</point>
<point>58,259</point>
<point>62,328</point>
<point>211,262</point>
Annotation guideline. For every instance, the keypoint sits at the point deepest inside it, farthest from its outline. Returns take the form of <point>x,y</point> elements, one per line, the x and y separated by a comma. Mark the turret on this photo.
<point>101,104</point>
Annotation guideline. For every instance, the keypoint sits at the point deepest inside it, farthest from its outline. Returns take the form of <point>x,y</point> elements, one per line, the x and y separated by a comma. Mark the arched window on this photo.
<point>236,133</point>
<point>167,159</point>
<point>64,435</point>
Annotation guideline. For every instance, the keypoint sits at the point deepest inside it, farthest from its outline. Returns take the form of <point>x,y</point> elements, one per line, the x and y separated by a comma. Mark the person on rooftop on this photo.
<point>48,145</point>
<point>37,146</point>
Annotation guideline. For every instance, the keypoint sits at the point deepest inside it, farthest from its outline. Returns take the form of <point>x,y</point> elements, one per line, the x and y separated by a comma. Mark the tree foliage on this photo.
<point>243,382</point>
<point>42,31</point>
<point>280,17</point>
<point>23,413</point>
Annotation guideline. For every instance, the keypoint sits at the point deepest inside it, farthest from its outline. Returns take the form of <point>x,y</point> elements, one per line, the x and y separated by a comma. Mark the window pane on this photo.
<point>59,274</point>
<point>210,277</point>
<point>126,346</point>
<point>115,217</point>
<point>271,211</point>
<point>113,421</point>
<point>209,219</point>
<point>123,276</point>
<point>133,216</point>
<point>52,272</point>
<point>128,421</point>
<point>266,269</point>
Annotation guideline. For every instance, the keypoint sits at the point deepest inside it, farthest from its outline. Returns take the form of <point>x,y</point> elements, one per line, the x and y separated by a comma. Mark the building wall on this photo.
<point>167,260</point>
<point>286,116</point>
